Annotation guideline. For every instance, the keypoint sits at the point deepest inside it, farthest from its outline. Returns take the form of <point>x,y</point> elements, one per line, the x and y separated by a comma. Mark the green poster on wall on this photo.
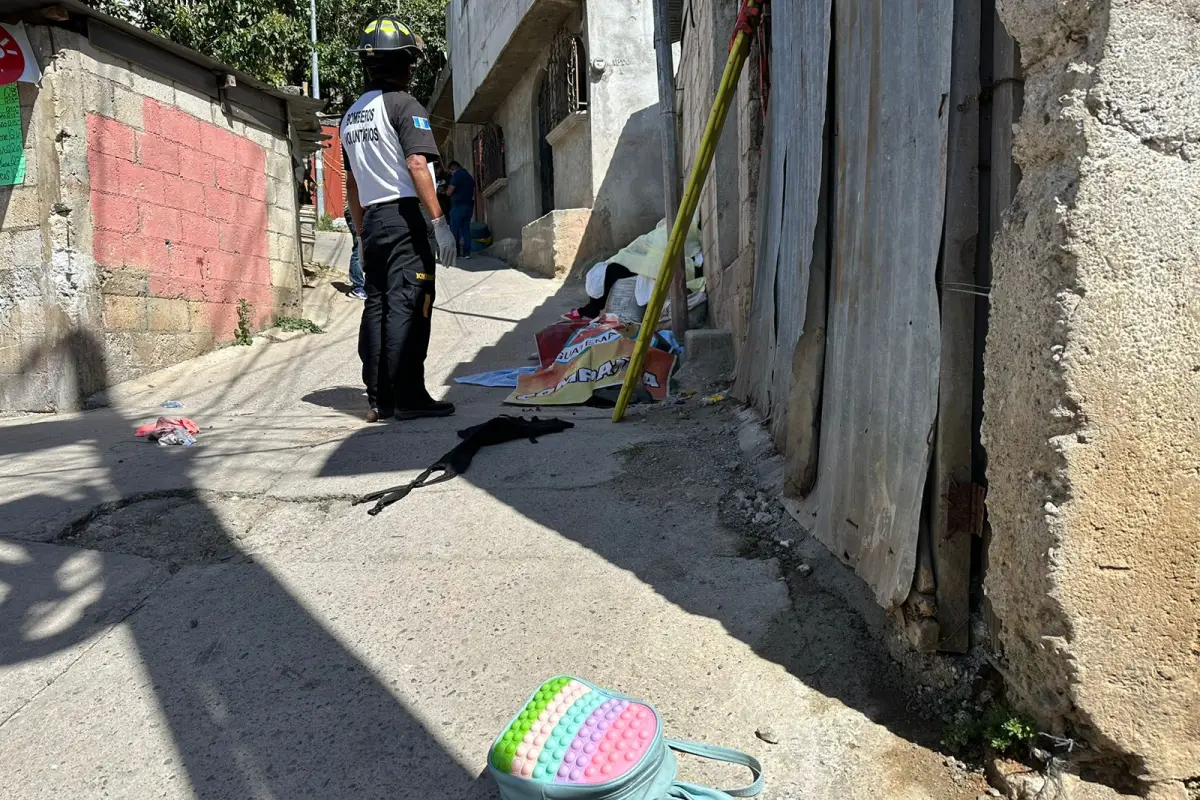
<point>12,141</point>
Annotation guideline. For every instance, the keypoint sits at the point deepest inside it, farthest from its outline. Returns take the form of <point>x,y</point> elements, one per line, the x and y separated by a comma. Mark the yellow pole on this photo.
<point>687,209</point>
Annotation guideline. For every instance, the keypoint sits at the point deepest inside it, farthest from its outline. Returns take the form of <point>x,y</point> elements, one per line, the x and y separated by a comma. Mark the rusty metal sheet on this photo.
<point>950,503</point>
<point>882,359</point>
<point>790,189</point>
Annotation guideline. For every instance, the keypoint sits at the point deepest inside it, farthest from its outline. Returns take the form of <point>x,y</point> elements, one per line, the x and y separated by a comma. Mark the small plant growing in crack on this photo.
<point>999,729</point>
<point>243,335</point>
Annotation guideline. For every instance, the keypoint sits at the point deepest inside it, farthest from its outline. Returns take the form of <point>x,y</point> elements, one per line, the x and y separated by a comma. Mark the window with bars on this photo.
<point>488,149</point>
<point>565,90</point>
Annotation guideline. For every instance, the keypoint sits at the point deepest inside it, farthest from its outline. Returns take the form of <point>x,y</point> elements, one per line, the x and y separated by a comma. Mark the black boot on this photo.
<point>432,408</point>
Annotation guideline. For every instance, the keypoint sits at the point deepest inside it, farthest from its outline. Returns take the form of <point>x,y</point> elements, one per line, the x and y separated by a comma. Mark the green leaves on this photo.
<point>999,728</point>
<point>339,23</point>
<point>269,39</point>
<point>1006,733</point>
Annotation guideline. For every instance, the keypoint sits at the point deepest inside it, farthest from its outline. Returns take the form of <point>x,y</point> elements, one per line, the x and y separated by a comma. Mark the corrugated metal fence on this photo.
<point>874,103</point>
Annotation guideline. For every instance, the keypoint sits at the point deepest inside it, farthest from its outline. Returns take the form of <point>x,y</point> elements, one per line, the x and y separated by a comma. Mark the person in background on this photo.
<point>462,206</point>
<point>306,192</point>
<point>443,197</point>
<point>357,279</point>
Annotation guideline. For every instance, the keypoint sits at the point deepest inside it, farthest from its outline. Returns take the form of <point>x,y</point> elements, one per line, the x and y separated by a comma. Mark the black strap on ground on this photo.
<point>505,428</point>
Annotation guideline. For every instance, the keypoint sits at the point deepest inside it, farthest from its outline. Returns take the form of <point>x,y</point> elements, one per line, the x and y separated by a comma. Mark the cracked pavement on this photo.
<point>219,621</point>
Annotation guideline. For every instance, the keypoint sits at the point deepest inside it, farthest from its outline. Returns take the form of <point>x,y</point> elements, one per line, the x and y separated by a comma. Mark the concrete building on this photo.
<point>1092,397</point>
<point>553,105</point>
<point>1039,380</point>
<point>159,193</point>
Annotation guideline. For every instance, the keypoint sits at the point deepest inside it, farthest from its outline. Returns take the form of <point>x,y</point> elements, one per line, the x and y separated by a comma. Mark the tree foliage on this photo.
<point>343,20</point>
<point>269,39</point>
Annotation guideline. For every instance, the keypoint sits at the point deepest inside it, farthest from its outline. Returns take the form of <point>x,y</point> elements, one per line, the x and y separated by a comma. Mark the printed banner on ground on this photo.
<point>579,359</point>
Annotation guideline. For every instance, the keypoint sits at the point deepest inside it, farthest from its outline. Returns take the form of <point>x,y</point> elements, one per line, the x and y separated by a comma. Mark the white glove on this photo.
<point>447,252</point>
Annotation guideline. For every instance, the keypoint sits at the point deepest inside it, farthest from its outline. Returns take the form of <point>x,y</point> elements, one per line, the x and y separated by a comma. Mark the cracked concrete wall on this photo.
<point>144,216</point>
<point>50,305</point>
<point>1092,394</point>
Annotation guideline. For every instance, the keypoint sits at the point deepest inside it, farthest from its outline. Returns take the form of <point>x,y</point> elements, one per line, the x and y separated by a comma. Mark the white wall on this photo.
<point>626,143</point>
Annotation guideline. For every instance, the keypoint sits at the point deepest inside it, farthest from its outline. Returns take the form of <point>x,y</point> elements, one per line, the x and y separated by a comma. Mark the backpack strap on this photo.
<point>722,754</point>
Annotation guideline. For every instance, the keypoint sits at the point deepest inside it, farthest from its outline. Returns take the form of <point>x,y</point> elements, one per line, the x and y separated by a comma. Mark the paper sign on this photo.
<point>12,142</point>
<point>17,61</point>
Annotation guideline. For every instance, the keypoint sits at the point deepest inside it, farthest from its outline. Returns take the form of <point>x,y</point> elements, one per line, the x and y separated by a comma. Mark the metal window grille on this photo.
<point>564,91</point>
<point>488,149</point>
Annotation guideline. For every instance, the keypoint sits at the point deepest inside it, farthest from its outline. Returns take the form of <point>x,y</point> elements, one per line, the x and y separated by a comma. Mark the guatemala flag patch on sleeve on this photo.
<point>422,123</point>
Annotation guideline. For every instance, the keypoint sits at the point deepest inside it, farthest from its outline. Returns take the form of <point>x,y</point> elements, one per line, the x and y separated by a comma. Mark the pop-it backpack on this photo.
<point>576,741</point>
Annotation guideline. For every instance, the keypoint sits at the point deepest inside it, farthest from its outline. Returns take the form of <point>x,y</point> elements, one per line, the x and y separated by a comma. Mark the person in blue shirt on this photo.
<point>462,206</point>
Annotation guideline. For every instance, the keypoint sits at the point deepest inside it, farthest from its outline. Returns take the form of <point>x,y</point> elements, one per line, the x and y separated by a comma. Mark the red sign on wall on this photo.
<point>17,62</point>
<point>12,60</point>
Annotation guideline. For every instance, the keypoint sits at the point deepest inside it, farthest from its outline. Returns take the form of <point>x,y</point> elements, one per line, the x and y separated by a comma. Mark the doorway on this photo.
<point>545,151</point>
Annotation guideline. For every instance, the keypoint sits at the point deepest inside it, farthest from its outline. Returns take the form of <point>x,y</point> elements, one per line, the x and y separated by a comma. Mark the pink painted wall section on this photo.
<point>186,202</point>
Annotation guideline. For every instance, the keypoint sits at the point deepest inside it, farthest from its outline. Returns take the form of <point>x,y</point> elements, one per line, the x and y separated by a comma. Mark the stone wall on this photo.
<point>144,217</point>
<point>1092,393</point>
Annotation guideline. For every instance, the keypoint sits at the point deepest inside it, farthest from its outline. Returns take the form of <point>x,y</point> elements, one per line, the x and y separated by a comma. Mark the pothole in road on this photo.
<point>192,528</point>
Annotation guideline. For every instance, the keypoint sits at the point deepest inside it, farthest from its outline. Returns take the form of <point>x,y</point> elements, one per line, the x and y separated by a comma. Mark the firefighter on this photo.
<point>390,155</point>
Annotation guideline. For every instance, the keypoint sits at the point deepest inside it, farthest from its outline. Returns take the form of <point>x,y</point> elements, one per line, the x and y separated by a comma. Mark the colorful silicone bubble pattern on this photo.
<point>567,730</point>
<point>625,742</point>
<point>541,742</point>
<point>569,733</point>
<point>506,746</point>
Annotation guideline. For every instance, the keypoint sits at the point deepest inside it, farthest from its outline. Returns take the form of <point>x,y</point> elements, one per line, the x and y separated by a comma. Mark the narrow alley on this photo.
<point>859,337</point>
<point>219,622</point>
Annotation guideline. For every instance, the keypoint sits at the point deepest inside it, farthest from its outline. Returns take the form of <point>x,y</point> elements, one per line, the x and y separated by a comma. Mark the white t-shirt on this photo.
<point>380,131</point>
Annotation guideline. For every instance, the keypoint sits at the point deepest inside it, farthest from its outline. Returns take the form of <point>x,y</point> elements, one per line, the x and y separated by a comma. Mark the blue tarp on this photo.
<point>496,379</point>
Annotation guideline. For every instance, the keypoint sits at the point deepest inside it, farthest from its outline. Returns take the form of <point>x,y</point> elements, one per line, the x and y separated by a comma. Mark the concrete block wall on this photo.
<point>49,293</point>
<point>179,231</point>
<point>1092,387</point>
<point>146,215</point>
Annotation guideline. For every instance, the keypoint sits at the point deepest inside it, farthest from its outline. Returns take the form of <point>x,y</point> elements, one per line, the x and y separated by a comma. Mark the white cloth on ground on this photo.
<point>593,282</point>
<point>642,290</point>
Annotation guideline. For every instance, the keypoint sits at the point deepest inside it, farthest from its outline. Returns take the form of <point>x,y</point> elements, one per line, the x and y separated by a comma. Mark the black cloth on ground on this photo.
<point>504,428</point>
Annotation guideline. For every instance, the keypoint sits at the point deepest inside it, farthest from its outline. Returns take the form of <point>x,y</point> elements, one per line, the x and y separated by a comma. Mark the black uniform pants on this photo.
<point>393,339</point>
